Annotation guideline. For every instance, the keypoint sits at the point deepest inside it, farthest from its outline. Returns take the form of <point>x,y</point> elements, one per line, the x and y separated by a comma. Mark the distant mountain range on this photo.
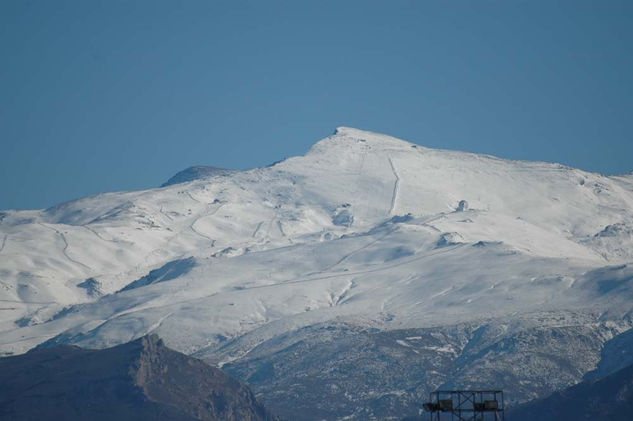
<point>140,380</point>
<point>346,283</point>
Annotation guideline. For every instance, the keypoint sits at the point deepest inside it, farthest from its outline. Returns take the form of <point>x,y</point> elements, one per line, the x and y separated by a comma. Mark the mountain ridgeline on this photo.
<point>607,399</point>
<point>140,380</point>
<point>346,283</point>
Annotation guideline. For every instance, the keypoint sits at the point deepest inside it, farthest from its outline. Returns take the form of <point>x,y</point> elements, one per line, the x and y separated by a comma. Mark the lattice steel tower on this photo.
<point>466,405</point>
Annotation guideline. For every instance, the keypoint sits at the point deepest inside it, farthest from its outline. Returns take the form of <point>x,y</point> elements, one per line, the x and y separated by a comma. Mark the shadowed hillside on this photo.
<point>140,380</point>
<point>607,399</point>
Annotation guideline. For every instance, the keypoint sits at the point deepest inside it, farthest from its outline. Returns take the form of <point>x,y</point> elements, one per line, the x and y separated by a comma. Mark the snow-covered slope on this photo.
<point>195,173</point>
<point>364,230</point>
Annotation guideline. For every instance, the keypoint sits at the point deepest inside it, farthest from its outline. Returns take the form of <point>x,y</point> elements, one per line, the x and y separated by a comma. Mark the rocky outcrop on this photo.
<point>607,399</point>
<point>140,380</point>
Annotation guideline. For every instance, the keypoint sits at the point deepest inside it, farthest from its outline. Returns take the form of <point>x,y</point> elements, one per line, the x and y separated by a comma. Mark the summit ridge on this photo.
<point>367,240</point>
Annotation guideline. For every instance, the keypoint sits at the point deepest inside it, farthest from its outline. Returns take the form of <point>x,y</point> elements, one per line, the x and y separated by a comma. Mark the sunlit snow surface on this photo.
<point>365,229</point>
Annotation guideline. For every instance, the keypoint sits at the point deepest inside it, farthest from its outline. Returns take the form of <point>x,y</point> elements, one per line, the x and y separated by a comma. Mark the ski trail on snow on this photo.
<point>216,209</point>
<point>27,302</point>
<point>371,243</point>
<point>66,245</point>
<point>336,299</point>
<point>361,272</point>
<point>283,234</point>
<point>311,279</point>
<point>195,231</point>
<point>281,230</point>
<point>99,235</point>
<point>29,338</point>
<point>65,251</point>
<point>193,198</point>
<point>353,252</point>
<point>154,327</point>
<point>257,228</point>
<point>166,214</point>
<point>396,188</point>
<point>201,234</point>
<point>362,163</point>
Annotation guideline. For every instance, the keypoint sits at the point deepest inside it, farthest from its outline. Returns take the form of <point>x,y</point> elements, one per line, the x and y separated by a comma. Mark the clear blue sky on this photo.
<point>118,95</point>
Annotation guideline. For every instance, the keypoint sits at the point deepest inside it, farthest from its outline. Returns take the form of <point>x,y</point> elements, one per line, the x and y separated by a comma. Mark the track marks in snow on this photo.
<point>350,254</point>
<point>339,298</point>
<point>362,163</point>
<point>193,228</point>
<point>396,188</point>
<point>335,299</point>
<point>27,302</point>
<point>66,246</point>
<point>98,235</point>
<point>281,231</point>
<point>65,251</point>
<point>4,242</point>
<point>195,231</point>
<point>427,222</point>
<point>257,228</point>
<point>168,216</point>
<point>193,198</point>
<point>382,268</point>
<point>154,327</point>
<point>443,292</point>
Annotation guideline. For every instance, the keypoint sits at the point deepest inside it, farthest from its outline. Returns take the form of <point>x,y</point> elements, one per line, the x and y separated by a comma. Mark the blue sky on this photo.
<point>117,95</point>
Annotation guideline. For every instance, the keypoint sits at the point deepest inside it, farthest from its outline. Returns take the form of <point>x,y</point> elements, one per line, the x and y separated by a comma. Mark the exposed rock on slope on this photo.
<point>607,399</point>
<point>141,380</point>
<point>195,173</point>
<point>361,374</point>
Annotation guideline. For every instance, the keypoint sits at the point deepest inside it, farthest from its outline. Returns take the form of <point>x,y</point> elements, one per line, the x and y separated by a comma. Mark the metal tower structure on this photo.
<point>466,405</point>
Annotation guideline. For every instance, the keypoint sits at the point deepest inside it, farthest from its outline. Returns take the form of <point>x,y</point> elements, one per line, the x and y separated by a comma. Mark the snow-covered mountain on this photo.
<point>357,277</point>
<point>196,172</point>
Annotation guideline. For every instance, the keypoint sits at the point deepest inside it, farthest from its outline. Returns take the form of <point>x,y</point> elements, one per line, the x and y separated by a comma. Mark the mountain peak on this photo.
<point>349,139</point>
<point>141,380</point>
<point>350,131</point>
<point>196,172</point>
<point>366,135</point>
